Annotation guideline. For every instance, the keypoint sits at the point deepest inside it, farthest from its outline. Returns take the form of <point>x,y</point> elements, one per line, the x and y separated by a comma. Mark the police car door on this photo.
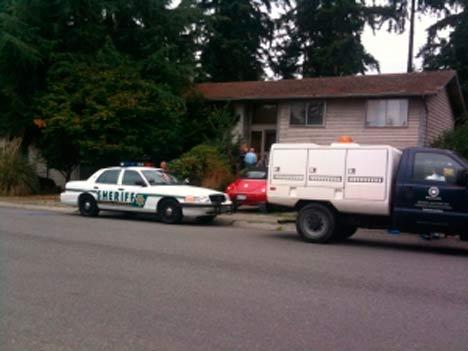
<point>133,197</point>
<point>106,188</point>
<point>431,199</point>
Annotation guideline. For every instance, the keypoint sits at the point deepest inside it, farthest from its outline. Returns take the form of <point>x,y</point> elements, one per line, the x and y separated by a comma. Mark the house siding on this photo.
<point>347,117</point>
<point>440,117</point>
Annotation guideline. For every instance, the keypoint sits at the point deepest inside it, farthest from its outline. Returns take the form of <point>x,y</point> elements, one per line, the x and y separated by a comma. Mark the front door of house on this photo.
<point>263,128</point>
<point>262,139</point>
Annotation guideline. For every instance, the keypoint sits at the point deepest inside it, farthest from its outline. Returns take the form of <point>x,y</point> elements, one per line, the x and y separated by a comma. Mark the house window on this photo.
<point>264,114</point>
<point>387,113</point>
<point>307,113</point>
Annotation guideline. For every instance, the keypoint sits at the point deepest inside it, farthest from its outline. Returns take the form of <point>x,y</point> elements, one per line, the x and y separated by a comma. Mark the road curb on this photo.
<point>36,207</point>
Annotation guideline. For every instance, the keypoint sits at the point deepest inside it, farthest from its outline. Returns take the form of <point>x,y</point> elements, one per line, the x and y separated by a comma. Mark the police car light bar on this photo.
<point>136,164</point>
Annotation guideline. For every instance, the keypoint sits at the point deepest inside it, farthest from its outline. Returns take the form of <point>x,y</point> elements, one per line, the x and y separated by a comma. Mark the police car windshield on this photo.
<point>160,178</point>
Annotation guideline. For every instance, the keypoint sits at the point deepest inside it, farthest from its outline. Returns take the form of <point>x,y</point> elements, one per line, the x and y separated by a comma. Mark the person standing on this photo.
<point>165,172</point>
<point>163,166</point>
<point>250,158</point>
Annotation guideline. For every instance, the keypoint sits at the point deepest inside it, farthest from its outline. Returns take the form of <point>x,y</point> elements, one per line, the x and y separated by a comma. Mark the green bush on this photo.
<point>456,139</point>
<point>205,166</point>
<point>17,176</point>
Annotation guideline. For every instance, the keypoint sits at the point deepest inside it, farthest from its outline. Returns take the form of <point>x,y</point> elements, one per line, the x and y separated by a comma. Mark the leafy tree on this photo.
<point>34,33</point>
<point>233,38</point>
<point>323,37</point>
<point>100,114</point>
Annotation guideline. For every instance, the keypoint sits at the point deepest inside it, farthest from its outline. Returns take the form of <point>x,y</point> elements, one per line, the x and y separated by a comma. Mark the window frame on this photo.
<point>306,125</point>
<point>432,181</point>
<point>366,125</point>
<point>253,109</point>
<point>142,178</point>
<point>106,171</point>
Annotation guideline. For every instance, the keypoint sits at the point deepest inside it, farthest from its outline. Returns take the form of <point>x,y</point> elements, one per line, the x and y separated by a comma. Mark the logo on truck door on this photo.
<point>433,191</point>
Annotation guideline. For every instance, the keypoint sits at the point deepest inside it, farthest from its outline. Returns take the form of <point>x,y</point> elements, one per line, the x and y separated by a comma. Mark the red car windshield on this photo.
<point>256,173</point>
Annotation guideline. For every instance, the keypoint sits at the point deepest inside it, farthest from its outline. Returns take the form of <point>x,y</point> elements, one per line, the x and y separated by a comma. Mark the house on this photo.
<point>401,110</point>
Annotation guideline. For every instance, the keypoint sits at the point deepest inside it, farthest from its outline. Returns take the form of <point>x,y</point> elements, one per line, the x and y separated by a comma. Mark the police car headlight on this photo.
<point>202,199</point>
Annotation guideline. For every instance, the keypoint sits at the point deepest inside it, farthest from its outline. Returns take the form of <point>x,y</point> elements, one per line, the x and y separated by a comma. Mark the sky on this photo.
<point>391,49</point>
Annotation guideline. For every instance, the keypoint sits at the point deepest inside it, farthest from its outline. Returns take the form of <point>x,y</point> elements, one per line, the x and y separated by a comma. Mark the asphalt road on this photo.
<point>117,283</point>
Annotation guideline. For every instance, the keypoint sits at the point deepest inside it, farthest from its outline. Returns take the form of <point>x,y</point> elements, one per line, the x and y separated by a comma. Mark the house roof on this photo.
<point>384,85</point>
<point>406,84</point>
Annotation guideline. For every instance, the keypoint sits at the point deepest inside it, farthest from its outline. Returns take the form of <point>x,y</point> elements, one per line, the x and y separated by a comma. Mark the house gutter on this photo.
<point>303,97</point>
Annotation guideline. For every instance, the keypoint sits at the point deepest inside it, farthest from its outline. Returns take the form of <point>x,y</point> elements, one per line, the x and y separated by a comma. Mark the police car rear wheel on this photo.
<point>88,206</point>
<point>316,223</point>
<point>170,212</point>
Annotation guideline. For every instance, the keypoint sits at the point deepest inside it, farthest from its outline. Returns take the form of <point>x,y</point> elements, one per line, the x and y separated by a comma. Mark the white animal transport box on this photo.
<point>354,178</point>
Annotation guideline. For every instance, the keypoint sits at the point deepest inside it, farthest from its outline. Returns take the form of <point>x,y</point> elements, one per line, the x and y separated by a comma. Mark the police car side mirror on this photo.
<point>187,181</point>
<point>462,177</point>
<point>140,183</point>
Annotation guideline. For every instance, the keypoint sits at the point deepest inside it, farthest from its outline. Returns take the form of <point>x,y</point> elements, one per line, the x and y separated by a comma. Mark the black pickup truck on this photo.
<point>428,194</point>
<point>431,192</point>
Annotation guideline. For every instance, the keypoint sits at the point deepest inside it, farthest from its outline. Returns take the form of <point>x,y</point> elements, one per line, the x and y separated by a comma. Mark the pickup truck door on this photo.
<point>428,199</point>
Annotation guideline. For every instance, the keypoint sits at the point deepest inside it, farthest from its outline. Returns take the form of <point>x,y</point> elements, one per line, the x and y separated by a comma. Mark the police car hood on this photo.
<point>182,190</point>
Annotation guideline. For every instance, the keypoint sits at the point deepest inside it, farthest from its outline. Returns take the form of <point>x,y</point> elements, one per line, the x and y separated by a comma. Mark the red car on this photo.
<point>250,188</point>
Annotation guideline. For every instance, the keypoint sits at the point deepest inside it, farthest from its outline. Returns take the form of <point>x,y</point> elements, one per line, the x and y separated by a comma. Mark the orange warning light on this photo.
<point>345,139</point>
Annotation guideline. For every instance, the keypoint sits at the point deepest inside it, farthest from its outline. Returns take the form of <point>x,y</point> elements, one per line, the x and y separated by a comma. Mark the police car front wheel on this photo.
<point>170,212</point>
<point>88,206</point>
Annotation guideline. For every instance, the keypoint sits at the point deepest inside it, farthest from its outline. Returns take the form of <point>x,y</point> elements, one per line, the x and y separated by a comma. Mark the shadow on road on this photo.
<point>411,244</point>
<point>142,217</point>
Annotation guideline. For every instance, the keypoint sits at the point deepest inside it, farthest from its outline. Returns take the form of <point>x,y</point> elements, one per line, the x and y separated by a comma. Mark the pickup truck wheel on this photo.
<point>88,206</point>
<point>170,212</point>
<point>316,224</point>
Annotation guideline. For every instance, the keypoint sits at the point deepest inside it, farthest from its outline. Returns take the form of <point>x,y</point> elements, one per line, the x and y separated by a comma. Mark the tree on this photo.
<point>441,52</point>
<point>323,38</point>
<point>456,139</point>
<point>21,64</point>
<point>34,33</point>
<point>100,114</point>
<point>232,39</point>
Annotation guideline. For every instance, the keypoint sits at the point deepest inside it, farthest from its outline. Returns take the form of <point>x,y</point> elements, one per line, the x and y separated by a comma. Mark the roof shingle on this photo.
<point>405,84</point>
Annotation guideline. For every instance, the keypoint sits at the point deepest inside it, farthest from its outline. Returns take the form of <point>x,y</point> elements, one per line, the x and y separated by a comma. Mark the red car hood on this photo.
<point>246,186</point>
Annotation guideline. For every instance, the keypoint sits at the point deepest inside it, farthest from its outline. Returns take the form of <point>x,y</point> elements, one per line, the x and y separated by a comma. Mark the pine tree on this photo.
<point>441,52</point>
<point>323,38</point>
<point>233,40</point>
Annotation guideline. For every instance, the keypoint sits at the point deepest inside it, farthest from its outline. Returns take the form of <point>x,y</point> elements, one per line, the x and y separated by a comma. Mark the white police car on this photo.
<point>146,190</point>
